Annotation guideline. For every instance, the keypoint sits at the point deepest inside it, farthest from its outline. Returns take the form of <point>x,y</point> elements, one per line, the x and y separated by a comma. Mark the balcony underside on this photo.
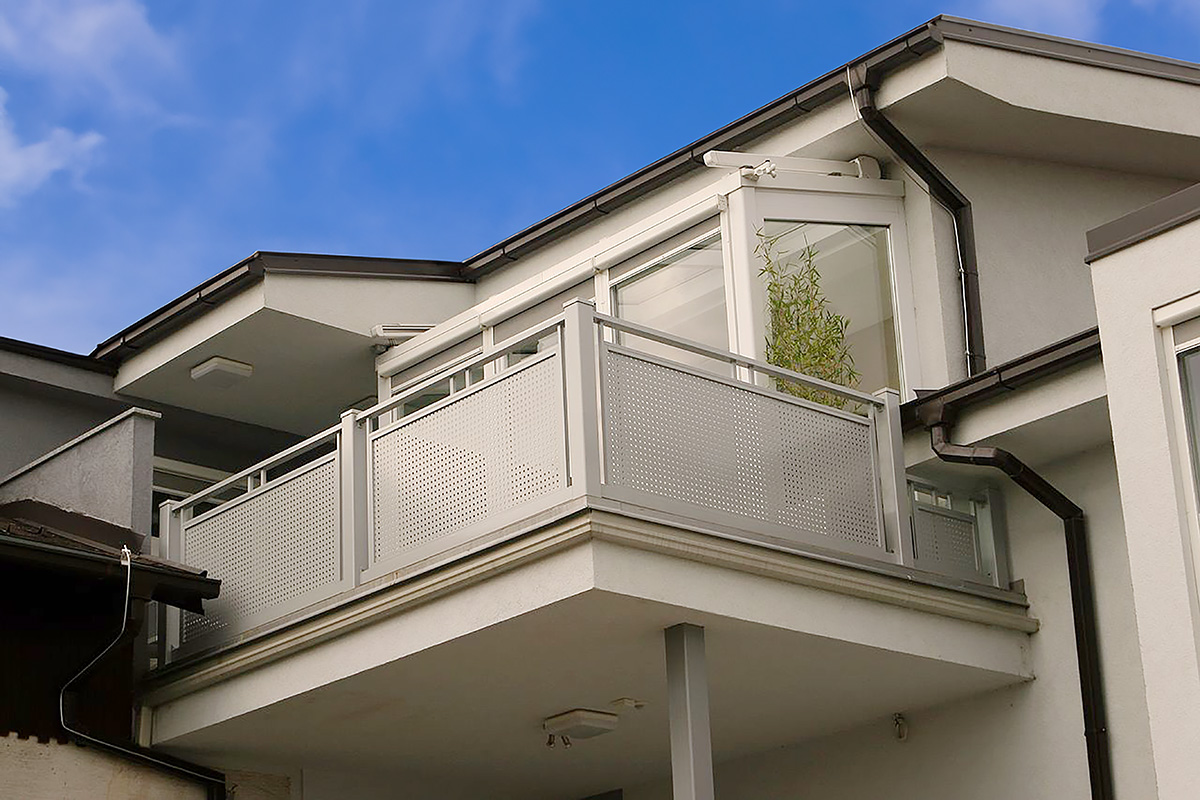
<point>444,678</point>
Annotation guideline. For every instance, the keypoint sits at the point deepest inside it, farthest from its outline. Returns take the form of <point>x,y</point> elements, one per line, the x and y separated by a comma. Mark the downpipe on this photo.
<point>862,83</point>
<point>1083,596</point>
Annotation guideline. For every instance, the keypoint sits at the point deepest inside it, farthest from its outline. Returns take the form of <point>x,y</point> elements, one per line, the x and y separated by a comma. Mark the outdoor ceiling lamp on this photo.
<point>578,723</point>
<point>221,372</point>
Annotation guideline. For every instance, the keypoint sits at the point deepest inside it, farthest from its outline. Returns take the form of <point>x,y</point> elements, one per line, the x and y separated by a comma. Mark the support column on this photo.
<point>687,705</point>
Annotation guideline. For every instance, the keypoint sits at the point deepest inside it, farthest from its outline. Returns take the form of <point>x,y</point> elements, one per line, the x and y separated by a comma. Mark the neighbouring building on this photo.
<point>564,521</point>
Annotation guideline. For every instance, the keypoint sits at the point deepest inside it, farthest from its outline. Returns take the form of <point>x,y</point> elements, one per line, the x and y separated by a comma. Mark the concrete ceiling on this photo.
<point>305,373</point>
<point>953,115</point>
<point>465,716</point>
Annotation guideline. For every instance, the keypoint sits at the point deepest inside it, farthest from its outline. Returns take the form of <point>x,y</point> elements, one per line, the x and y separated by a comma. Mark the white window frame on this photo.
<point>843,201</point>
<point>741,210</point>
<point>1174,343</point>
<point>607,286</point>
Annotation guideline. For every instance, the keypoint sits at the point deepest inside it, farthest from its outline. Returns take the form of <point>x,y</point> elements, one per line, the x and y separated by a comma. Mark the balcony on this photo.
<point>582,412</point>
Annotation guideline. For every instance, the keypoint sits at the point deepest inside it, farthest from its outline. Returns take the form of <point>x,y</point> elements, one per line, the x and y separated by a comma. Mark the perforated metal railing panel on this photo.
<point>714,445</point>
<point>487,452</point>
<point>946,542</point>
<point>268,550</point>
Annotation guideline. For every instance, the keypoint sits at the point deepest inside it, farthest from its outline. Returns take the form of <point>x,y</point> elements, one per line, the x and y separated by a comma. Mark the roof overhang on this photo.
<point>834,85</point>
<point>250,271</point>
<point>288,330</point>
<point>70,549</point>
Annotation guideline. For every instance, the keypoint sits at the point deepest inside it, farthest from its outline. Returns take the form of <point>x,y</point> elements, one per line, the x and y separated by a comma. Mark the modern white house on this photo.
<point>845,452</point>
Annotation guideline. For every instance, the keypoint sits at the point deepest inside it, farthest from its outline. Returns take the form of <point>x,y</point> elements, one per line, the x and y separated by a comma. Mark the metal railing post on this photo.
<point>352,466</point>
<point>170,527</point>
<point>893,483</point>
<point>580,363</point>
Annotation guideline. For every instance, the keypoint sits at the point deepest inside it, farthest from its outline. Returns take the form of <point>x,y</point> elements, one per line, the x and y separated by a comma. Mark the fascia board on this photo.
<point>218,318</point>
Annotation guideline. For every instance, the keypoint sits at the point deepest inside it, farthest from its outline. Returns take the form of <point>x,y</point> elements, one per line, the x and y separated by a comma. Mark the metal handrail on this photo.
<point>770,370</point>
<point>505,347</point>
<point>279,458</point>
<point>485,356</point>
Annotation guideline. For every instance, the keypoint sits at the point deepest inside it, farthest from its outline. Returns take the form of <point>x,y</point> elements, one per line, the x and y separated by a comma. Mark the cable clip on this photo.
<point>765,168</point>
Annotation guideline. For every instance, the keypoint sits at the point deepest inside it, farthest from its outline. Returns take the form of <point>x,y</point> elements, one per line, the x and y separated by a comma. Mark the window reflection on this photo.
<point>855,281</point>
<point>683,294</point>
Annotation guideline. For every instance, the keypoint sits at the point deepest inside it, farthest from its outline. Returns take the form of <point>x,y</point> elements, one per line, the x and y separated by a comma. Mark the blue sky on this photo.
<point>147,146</point>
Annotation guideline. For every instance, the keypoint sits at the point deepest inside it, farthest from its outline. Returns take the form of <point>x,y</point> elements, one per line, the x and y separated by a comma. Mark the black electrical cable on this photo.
<point>216,785</point>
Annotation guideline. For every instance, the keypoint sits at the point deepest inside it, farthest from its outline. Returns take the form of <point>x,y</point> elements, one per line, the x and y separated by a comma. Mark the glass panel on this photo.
<point>1189,376</point>
<point>684,295</point>
<point>831,317</point>
<point>426,397</point>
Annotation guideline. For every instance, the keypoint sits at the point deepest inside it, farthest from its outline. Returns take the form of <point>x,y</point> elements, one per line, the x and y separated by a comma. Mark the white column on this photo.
<point>687,705</point>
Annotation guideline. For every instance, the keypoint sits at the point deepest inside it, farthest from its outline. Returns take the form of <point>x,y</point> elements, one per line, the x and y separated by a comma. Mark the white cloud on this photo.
<point>25,167</point>
<point>82,45</point>
<point>1078,19</point>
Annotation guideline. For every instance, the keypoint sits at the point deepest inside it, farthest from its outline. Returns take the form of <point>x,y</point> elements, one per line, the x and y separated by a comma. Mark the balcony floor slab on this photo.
<point>455,681</point>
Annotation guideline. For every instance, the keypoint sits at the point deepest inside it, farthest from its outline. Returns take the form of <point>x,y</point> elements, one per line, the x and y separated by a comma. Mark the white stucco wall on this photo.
<point>1030,220</point>
<point>1129,286</point>
<point>30,770</point>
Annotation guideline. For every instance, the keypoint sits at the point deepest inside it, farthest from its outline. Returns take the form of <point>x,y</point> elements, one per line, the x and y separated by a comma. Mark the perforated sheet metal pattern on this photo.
<point>946,543</point>
<point>487,452</point>
<point>267,550</point>
<point>704,442</point>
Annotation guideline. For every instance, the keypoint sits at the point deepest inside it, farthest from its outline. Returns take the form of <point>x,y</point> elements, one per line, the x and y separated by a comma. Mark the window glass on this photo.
<point>683,294</point>
<point>1189,376</point>
<point>831,314</point>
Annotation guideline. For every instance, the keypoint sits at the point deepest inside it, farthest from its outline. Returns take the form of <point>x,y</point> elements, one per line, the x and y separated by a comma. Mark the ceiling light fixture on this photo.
<point>579,723</point>
<point>221,372</point>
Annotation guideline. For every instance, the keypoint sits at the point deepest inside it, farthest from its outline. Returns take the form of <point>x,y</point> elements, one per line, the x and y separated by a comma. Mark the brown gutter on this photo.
<point>55,355</point>
<point>939,419</point>
<point>816,93</point>
<point>1006,377</point>
<point>937,412</point>
<point>830,86</point>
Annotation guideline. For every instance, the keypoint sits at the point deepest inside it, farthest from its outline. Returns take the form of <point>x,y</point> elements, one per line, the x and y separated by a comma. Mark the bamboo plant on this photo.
<point>804,334</point>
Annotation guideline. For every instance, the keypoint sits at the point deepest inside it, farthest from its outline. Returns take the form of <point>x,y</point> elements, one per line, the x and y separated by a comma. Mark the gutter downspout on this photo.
<point>937,418</point>
<point>862,82</point>
<point>214,781</point>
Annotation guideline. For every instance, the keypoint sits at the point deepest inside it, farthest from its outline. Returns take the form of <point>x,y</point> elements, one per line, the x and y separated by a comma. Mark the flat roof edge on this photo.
<point>252,269</point>
<point>1146,222</point>
<point>53,354</point>
<point>1063,49</point>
